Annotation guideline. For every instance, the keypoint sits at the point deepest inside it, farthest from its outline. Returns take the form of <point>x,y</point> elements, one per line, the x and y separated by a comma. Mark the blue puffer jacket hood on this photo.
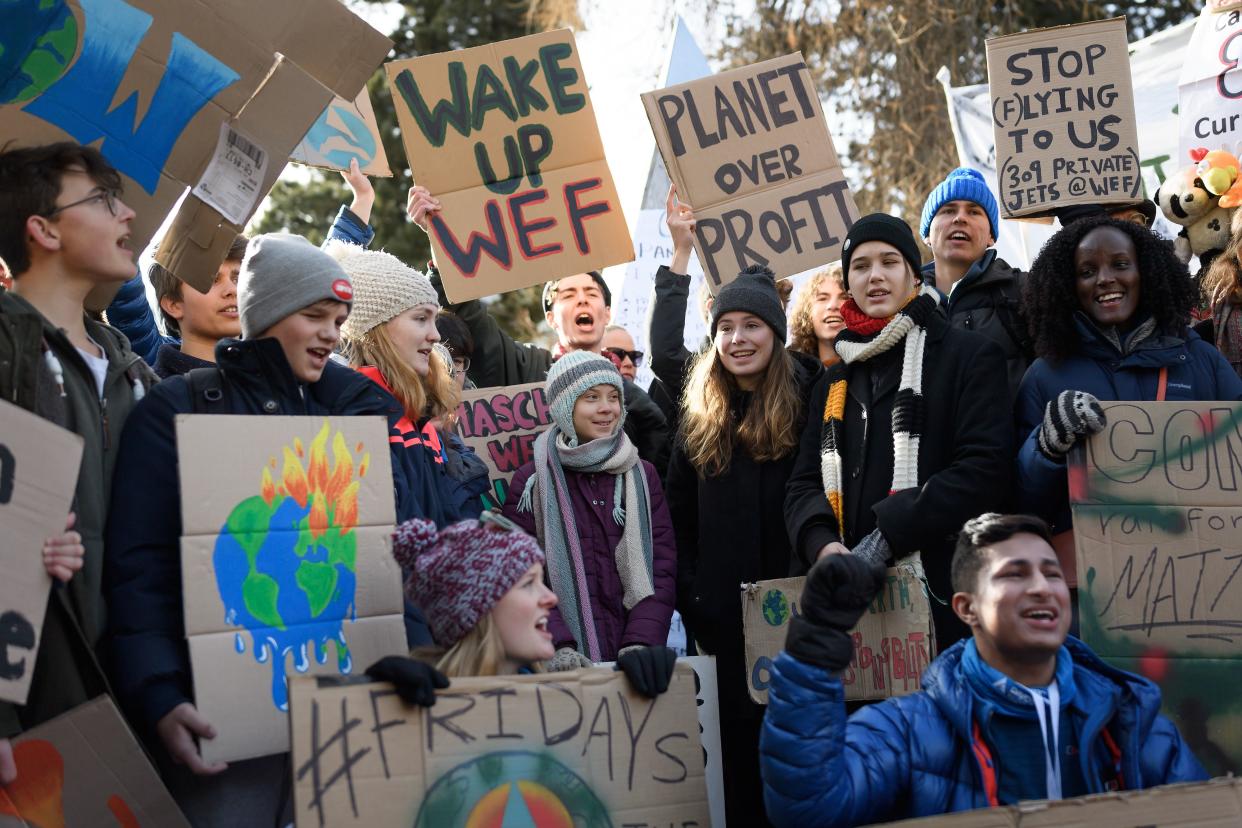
<point>913,756</point>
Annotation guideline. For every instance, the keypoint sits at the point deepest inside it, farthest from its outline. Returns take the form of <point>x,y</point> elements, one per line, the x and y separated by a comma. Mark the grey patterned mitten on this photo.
<point>567,658</point>
<point>1070,417</point>
<point>874,549</point>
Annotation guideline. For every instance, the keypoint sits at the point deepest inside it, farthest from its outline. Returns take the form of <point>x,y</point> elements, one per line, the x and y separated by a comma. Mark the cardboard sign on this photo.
<point>1213,804</point>
<point>505,137</point>
<point>150,82</point>
<point>39,464</point>
<point>286,564</point>
<point>346,130</point>
<point>578,748</point>
<point>707,699</point>
<point>1209,90</point>
<point>1158,527</point>
<point>85,769</point>
<point>751,151</point>
<point>501,425</point>
<point>893,642</point>
<point>1063,111</point>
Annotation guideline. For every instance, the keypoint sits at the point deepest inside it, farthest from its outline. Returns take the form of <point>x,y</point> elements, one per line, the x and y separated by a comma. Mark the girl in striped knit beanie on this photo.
<point>910,434</point>
<point>599,513</point>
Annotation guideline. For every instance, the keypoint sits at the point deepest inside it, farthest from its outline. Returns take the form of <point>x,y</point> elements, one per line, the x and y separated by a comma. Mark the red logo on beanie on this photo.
<point>343,290</point>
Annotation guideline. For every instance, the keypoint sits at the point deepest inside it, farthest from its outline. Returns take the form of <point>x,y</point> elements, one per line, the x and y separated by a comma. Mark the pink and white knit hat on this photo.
<point>457,575</point>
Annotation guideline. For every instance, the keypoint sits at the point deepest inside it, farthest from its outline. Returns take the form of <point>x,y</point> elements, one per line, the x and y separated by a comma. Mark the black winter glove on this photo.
<point>838,590</point>
<point>649,669</point>
<point>416,681</point>
<point>1072,416</point>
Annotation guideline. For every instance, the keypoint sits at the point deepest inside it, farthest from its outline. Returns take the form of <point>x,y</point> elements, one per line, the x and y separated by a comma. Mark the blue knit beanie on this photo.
<point>573,375</point>
<point>963,184</point>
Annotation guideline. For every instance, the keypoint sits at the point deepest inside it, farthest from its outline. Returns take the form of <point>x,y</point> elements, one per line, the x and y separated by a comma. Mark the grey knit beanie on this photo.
<point>281,274</point>
<point>384,286</point>
<point>570,377</point>
<point>751,293</point>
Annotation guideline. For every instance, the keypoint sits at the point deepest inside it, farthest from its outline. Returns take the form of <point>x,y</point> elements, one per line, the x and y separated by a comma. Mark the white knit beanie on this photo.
<point>384,286</point>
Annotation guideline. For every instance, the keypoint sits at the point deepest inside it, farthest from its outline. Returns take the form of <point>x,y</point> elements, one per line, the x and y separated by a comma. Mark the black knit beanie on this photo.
<point>885,228</point>
<point>751,293</point>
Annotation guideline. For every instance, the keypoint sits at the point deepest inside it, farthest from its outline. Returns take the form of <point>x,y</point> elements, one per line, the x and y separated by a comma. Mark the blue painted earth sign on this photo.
<point>345,131</point>
<point>286,563</point>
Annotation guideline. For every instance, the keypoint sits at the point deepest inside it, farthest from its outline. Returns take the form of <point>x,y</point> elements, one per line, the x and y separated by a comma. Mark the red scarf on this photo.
<point>864,325</point>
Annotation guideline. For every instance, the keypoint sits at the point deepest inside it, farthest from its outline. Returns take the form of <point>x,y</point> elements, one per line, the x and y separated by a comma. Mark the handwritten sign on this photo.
<point>1063,113</point>
<point>1158,528</point>
<point>150,82</point>
<point>577,748</point>
<point>346,131</point>
<point>1209,91</point>
<point>39,464</point>
<point>85,768</point>
<point>505,137</point>
<point>893,642</point>
<point>501,425</point>
<point>286,564</point>
<point>750,150</point>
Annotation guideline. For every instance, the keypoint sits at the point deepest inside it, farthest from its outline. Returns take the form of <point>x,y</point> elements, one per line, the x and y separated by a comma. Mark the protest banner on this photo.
<point>501,425</point>
<point>1209,90</point>
<point>1213,804</point>
<point>84,769</point>
<point>893,642</point>
<point>579,748</point>
<point>1158,531</point>
<point>286,563</point>
<point>750,150</point>
<point>39,464</point>
<point>1063,113</point>
<point>345,131</point>
<point>174,98</point>
<point>505,137</point>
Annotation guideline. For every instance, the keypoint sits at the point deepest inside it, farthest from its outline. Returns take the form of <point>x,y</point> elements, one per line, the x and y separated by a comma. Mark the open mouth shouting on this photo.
<point>584,321</point>
<point>542,626</point>
<point>319,356</point>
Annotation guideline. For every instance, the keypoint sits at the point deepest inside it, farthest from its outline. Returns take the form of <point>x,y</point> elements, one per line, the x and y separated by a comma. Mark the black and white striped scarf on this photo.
<point>857,344</point>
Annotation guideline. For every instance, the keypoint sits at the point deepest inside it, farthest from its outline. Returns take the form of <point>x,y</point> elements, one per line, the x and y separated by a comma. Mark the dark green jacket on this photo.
<point>66,672</point>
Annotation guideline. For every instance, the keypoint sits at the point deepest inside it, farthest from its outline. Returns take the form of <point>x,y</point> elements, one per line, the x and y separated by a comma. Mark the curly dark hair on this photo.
<point>1049,299</point>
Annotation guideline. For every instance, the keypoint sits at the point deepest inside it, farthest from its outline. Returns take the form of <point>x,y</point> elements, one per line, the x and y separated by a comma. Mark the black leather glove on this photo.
<point>1072,416</point>
<point>416,681</point>
<point>649,669</point>
<point>838,590</point>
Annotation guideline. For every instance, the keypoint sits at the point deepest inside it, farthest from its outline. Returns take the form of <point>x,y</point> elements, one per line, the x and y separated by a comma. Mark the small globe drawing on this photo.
<point>775,607</point>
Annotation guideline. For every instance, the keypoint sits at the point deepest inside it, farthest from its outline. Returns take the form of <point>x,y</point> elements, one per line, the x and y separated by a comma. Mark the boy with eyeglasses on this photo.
<point>64,231</point>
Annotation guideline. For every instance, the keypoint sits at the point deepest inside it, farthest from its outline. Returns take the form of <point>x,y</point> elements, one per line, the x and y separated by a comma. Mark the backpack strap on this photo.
<point>207,390</point>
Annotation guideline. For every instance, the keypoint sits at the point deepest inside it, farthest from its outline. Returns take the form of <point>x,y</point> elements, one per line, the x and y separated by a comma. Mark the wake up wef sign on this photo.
<point>505,137</point>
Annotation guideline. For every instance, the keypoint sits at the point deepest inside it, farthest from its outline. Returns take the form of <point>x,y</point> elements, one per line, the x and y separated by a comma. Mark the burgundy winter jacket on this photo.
<point>648,622</point>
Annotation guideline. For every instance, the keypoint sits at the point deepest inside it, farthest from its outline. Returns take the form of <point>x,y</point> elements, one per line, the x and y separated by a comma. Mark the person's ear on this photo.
<point>607,316</point>
<point>43,233</point>
<point>963,604</point>
<point>548,317</point>
<point>173,306</point>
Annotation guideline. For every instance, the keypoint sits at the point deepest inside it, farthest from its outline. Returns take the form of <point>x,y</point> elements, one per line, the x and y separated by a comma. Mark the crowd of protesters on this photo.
<point>863,425</point>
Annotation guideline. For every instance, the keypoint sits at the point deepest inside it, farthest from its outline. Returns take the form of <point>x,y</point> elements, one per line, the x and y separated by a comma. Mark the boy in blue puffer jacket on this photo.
<point>1019,711</point>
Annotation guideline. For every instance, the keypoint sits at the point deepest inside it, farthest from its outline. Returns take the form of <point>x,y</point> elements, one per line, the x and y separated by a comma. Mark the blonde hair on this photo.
<point>434,396</point>
<point>801,327</point>
<point>479,653</point>
<point>1223,280</point>
<point>767,431</point>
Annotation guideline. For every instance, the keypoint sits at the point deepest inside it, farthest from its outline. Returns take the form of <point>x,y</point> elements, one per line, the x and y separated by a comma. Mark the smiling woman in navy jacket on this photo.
<point>1108,305</point>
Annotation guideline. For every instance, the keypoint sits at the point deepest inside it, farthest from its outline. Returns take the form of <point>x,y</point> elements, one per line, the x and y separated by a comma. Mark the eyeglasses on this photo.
<point>461,363</point>
<point>634,356</point>
<point>109,197</point>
